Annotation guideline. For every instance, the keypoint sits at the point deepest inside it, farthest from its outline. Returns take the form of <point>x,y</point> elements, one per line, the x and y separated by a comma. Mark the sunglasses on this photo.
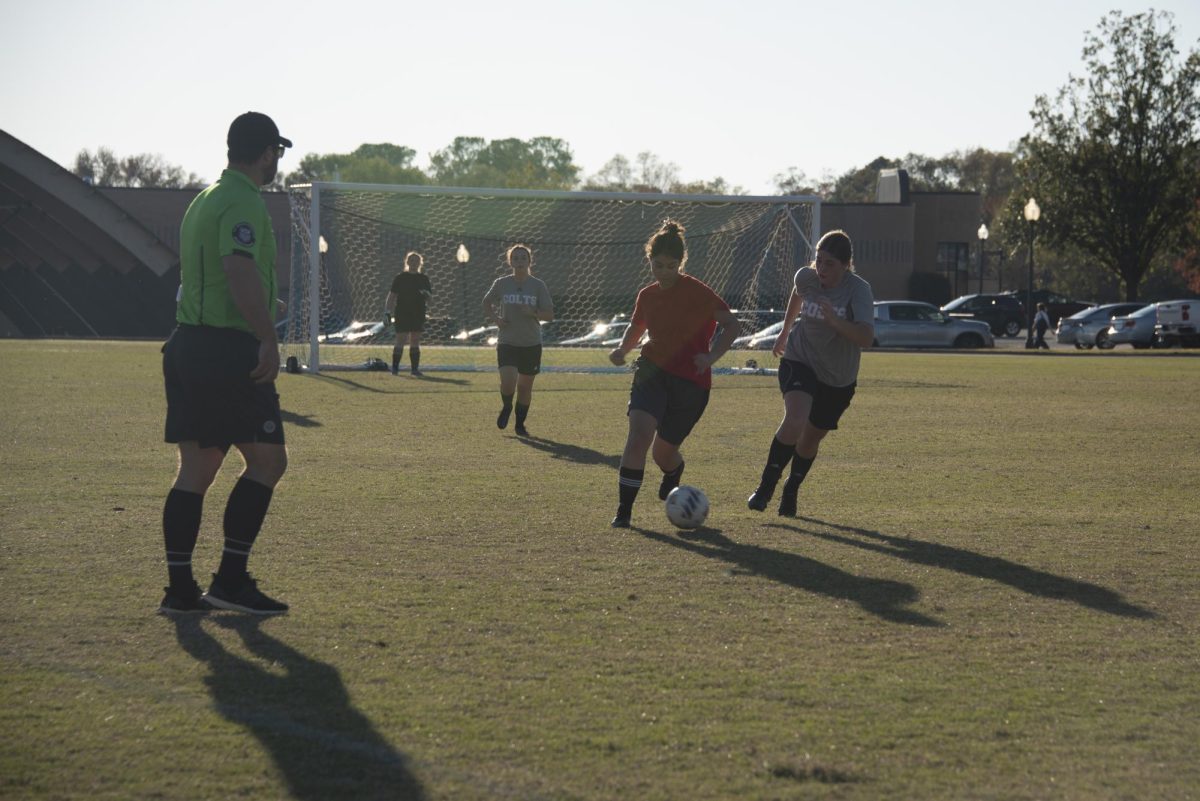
<point>280,150</point>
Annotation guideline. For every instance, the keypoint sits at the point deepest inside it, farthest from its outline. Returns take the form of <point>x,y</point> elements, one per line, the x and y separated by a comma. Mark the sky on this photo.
<point>742,90</point>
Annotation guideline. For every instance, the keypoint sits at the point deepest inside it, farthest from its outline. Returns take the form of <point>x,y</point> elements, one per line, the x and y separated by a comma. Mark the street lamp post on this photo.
<point>462,255</point>
<point>1032,213</point>
<point>982,233</point>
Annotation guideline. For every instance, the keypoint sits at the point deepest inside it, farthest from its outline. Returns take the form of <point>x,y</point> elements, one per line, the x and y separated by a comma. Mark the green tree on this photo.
<point>539,163</point>
<point>144,170</point>
<point>368,164</point>
<point>1112,160</point>
<point>649,173</point>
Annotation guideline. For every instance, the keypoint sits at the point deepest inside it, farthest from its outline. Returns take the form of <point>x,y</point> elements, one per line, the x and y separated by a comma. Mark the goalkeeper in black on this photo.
<point>406,303</point>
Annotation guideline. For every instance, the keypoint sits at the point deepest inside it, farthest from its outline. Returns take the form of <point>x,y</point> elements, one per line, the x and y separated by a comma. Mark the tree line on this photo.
<point>1113,160</point>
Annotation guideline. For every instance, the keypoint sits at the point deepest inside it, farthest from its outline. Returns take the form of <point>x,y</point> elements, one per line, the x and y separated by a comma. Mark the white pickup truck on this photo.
<point>1176,324</point>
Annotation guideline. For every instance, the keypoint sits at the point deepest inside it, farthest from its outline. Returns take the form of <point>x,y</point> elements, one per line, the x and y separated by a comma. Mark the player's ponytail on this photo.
<point>668,240</point>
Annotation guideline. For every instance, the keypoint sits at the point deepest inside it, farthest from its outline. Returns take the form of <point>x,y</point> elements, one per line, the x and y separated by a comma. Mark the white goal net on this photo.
<point>349,242</point>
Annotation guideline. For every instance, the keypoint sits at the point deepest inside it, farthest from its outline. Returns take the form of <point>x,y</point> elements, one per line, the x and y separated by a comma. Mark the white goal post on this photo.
<point>349,241</point>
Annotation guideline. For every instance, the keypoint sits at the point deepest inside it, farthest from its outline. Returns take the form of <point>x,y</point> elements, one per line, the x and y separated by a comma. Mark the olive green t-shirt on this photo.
<point>226,218</point>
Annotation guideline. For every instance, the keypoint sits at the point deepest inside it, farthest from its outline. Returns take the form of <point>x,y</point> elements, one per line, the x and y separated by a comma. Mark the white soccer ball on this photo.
<point>687,507</point>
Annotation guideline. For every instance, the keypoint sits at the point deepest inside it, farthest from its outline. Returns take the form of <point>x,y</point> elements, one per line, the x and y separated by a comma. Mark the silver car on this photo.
<point>1136,329</point>
<point>1089,328</point>
<point>911,324</point>
<point>759,340</point>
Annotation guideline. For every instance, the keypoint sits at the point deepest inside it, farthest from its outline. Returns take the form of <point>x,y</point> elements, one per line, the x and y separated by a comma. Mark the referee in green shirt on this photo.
<point>219,367</point>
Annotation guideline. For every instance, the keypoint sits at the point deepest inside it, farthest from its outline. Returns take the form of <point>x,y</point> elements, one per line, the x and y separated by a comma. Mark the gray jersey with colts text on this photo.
<point>832,357</point>
<point>513,298</point>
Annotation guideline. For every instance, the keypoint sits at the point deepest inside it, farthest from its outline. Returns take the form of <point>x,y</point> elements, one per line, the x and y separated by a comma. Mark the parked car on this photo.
<point>1175,324</point>
<point>1057,306</point>
<point>911,324</point>
<point>759,340</point>
<point>1002,312</point>
<point>358,333</point>
<point>600,335</point>
<point>484,335</point>
<point>1089,328</point>
<point>1136,329</point>
<point>555,331</point>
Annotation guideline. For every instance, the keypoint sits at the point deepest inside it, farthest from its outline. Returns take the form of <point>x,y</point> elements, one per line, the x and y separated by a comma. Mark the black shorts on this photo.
<point>526,358</point>
<point>828,402</point>
<point>405,322</point>
<point>674,402</point>
<point>210,397</point>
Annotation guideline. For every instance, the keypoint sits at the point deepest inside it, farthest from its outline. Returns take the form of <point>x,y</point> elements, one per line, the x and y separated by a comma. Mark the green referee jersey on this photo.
<point>226,218</point>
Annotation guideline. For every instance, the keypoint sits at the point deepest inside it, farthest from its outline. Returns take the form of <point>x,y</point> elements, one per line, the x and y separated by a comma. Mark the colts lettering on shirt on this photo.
<point>518,299</point>
<point>813,310</point>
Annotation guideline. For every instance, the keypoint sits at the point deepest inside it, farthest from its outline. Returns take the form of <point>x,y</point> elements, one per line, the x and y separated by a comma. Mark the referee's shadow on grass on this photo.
<point>572,453</point>
<point>298,420</point>
<point>993,568</point>
<point>299,710</point>
<point>884,598</point>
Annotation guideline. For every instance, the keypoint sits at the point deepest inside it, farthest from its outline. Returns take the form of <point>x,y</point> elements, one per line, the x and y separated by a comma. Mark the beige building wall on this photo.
<point>883,242</point>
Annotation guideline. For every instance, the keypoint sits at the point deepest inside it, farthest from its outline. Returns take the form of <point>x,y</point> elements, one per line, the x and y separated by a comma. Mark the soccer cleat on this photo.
<point>787,501</point>
<point>502,418</point>
<point>395,371</point>
<point>669,482</point>
<point>620,521</point>
<point>761,497</point>
<point>520,430</point>
<point>417,374</point>
<point>188,601</point>
<point>242,597</point>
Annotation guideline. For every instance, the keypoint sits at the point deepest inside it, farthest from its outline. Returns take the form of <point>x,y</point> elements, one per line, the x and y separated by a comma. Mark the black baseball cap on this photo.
<point>253,132</point>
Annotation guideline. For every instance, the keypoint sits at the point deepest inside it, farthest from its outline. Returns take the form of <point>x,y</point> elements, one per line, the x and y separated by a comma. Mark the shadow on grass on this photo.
<point>881,597</point>
<point>298,420</point>
<point>993,568</point>
<point>299,710</point>
<point>572,453</point>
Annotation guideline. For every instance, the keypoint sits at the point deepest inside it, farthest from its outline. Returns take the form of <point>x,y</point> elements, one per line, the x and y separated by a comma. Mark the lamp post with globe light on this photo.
<point>462,255</point>
<point>982,233</point>
<point>1032,213</point>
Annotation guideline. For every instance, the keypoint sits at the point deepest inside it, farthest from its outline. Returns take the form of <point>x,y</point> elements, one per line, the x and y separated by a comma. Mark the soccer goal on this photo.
<point>349,242</point>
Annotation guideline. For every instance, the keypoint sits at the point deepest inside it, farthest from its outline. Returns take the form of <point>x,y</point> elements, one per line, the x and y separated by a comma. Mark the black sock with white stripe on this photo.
<point>244,515</point>
<point>629,483</point>
<point>181,527</point>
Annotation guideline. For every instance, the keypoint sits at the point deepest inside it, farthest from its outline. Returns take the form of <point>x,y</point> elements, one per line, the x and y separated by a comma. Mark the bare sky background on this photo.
<point>742,90</point>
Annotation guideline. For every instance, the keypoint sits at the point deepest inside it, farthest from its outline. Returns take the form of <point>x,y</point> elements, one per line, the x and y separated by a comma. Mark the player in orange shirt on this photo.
<point>673,375</point>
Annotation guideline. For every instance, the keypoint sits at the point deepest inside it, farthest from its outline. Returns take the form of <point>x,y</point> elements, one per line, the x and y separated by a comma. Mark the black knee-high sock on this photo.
<point>397,355</point>
<point>506,401</point>
<point>414,356</point>
<point>522,412</point>
<point>181,526</point>
<point>777,460</point>
<point>629,483</point>
<point>800,468</point>
<point>244,514</point>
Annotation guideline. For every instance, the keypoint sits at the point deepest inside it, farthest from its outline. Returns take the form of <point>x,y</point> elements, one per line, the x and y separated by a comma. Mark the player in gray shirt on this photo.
<point>518,304</point>
<point>818,370</point>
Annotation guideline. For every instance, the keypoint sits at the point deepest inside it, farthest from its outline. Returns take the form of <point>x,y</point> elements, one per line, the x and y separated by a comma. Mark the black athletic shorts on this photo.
<point>406,322</point>
<point>210,397</point>
<point>674,402</point>
<point>828,402</point>
<point>526,358</point>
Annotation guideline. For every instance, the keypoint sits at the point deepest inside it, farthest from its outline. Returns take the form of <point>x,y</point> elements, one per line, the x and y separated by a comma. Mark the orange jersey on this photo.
<point>681,324</point>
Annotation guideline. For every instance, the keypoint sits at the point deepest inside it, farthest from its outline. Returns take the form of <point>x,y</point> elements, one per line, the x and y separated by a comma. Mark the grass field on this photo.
<point>991,593</point>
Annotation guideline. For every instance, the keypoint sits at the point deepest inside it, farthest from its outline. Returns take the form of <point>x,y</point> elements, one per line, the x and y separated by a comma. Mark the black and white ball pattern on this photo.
<point>687,507</point>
